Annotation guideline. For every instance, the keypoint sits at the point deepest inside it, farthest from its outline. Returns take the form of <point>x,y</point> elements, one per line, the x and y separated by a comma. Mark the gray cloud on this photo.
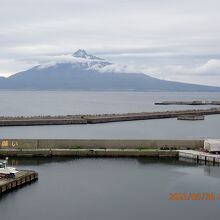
<point>154,34</point>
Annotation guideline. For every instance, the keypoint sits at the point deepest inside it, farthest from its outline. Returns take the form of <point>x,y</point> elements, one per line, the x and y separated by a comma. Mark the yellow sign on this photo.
<point>5,143</point>
<point>14,143</point>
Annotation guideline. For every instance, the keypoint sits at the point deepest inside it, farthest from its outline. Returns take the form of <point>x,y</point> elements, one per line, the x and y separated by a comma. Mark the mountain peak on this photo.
<point>83,54</point>
<point>80,53</point>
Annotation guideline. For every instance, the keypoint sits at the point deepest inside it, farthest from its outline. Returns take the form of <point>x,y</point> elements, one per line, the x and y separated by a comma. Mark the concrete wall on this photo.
<point>95,144</point>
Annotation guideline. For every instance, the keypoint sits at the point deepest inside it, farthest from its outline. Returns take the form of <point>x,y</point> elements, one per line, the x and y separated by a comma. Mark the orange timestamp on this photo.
<point>193,196</point>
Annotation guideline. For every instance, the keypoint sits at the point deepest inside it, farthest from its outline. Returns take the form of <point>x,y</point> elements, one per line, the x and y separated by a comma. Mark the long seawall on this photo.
<point>93,147</point>
<point>188,103</point>
<point>103,118</point>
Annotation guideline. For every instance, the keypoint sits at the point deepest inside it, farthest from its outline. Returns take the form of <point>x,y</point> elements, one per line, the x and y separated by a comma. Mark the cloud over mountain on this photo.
<point>83,71</point>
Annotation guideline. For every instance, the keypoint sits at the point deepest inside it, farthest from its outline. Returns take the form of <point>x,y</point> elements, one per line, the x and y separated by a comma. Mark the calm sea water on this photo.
<point>19,103</point>
<point>106,189</point>
<point>13,103</point>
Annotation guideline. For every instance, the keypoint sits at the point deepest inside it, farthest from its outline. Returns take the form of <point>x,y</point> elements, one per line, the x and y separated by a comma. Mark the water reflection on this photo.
<point>36,161</point>
<point>212,171</point>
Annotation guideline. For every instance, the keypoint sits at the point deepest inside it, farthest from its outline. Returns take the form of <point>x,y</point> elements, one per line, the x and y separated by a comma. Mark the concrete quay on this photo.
<point>199,156</point>
<point>103,118</point>
<point>22,178</point>
<point>193,149</point>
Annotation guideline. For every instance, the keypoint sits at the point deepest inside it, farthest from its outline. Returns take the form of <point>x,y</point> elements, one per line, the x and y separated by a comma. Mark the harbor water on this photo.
<point>23,103</point>
<point>121,189</point>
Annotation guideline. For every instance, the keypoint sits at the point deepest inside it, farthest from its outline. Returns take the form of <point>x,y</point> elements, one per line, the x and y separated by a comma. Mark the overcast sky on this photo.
<point>169,39</point>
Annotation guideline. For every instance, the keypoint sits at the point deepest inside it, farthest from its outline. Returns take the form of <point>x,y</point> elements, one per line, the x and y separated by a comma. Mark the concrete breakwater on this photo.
<point>103,118</point>
<point>191,117</point>
<point>188,103</point>
<point>44,120</point>
<point>68,147</point>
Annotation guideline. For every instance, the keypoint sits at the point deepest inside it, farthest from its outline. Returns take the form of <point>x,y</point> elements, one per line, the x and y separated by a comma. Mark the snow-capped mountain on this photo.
<point>82,71</point>
<point>83,54</point>
<point>79,59</point>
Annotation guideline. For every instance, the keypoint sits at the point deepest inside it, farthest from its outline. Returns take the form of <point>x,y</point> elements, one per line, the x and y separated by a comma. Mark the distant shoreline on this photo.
<point>113,90</point>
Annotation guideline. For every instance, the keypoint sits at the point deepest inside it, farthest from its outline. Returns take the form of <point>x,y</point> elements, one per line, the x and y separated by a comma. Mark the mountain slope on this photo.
<point>82,72</point>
